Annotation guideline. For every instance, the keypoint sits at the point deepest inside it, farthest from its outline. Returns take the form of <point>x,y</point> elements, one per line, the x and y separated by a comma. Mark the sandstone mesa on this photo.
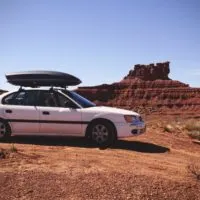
<point>147,89</point>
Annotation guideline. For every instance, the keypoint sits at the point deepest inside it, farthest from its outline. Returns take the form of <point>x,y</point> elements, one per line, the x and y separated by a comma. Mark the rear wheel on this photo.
<point>4,130</point>
<point>102,133</point>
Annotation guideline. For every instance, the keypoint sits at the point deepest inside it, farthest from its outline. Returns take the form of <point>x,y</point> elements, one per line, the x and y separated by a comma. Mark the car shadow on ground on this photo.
<point>142,147</point>
<point>137,146</point>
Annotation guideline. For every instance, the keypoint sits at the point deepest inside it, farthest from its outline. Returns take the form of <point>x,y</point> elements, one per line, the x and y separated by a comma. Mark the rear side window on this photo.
<point>9,99</point>
<point>26,98</point>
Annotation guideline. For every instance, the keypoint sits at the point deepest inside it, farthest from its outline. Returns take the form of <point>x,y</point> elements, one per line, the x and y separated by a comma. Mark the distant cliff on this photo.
<point>146,88</point>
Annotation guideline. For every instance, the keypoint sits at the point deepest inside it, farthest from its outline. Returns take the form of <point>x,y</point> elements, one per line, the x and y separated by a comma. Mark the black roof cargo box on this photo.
<point>42,78</point>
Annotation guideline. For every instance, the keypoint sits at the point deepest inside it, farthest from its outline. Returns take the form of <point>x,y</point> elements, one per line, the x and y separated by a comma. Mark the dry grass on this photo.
<point>193,125</point>
<point>2,154</point>
<point>193,128</point>
<point>13,149</point>
<point>173,127</point>
<point>194,169</point>
<point>194,134</point>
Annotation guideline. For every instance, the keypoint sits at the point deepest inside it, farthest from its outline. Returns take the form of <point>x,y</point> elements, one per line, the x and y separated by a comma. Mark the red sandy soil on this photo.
<point>150,166</point>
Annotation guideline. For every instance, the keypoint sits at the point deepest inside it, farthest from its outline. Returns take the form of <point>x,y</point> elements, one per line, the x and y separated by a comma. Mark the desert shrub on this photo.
<point>2,154</point>
<point>193,128</point>
<point>193,125</point>
<point>13,149</point>
<point>194,135</point>
<point>5,153</point>
<point>194,170</point>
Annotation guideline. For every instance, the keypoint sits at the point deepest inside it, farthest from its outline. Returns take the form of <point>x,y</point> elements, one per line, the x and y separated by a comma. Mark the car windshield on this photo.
<point>85,103</point>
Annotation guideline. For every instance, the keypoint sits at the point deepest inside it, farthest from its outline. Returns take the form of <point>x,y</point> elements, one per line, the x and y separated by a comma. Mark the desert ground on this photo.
<point>163,163</point>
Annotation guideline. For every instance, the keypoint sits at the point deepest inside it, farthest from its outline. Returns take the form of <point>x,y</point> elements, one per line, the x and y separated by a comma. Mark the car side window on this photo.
<point>47,99</point>
<point>65,102</point>
<point>26,98</point>
<point>9,100</point>
<point>31,97</point>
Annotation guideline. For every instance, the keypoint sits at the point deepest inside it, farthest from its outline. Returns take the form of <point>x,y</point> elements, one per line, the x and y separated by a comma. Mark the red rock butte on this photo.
<point>146,89</point>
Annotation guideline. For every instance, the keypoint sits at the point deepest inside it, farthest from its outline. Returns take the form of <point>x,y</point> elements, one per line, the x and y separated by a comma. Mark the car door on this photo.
<point>20,111</point>
<point>56,117</point>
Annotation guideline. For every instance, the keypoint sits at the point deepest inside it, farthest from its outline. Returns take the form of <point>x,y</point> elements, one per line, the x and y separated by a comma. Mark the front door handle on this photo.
<point>45,113</point>
<point>8,111</point>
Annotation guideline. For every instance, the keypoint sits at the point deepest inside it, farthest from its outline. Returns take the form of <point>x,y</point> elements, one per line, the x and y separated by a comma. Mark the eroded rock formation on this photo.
<point>150,72</point>
<point>146,88</point>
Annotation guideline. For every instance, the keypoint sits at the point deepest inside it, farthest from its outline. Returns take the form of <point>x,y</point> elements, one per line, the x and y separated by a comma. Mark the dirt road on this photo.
<point>151,166</point>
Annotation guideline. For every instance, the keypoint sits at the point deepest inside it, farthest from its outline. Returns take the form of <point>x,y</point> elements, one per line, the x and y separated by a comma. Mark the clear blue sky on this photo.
<point>100,40</point>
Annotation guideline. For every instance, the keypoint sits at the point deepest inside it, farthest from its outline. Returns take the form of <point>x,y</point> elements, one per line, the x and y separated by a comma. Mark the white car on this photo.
<point>58,111</point>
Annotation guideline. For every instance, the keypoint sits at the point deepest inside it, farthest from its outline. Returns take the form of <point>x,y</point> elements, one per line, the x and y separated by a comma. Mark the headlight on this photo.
<point>131,118</point>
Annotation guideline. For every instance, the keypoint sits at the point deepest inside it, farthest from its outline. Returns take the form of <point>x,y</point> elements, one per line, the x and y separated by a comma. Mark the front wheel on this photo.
<point>102,133</point>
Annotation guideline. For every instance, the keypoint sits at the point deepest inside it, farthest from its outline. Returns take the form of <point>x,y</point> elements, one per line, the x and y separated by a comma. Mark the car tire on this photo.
<point>4,130</point>
<point>102,133</point>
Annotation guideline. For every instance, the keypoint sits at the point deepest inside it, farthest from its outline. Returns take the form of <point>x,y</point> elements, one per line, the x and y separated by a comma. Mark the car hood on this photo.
<point>105,109</point>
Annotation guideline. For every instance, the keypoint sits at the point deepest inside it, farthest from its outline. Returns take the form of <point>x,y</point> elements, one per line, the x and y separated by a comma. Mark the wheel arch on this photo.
<point>87,132</point>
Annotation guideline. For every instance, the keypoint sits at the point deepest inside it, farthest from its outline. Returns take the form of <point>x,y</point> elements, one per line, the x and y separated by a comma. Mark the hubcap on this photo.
<point>2,129</point>
<point>100,133</point>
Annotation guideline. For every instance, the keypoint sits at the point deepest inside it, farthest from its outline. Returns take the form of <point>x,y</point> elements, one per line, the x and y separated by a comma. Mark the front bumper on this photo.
<point>138,128</point>
<point>130,129</point>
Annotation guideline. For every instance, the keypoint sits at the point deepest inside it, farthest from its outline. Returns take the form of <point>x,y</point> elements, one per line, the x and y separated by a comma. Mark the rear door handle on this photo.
<point>45,113</point>
<point>8,111</point>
